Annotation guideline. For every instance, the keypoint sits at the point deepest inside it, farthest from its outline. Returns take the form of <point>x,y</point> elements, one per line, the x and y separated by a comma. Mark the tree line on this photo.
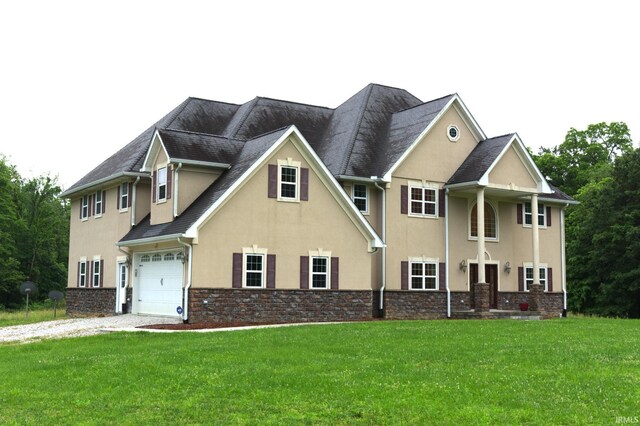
<point>34,235</point>
<point>600,168</point>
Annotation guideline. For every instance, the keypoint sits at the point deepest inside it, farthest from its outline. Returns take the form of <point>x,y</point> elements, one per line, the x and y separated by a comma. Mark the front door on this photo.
<point>491,276</point>
<point>123,279</point>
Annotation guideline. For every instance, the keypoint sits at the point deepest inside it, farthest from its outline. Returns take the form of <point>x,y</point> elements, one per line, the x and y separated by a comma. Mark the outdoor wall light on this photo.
<point>463,265</point>
<point>507,267</point>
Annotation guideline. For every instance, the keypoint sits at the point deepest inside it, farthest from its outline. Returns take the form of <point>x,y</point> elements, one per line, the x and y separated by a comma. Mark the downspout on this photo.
<point>563,262</point>
<point>175,190</point>
<point>185,310</point>
<point>133,202</point>
<point>384,244</point>
<point>446,250</point>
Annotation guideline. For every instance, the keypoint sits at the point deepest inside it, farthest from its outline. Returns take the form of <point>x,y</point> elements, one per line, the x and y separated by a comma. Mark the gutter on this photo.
<point>563,262</point>
<point>175,191</point>
<point>185,310</point>
<point>201,163</point>
<point>384,242</point>
<point>133,202</point>
<point>149,240</point>
<point>446,250</point>
<point>99,182</point>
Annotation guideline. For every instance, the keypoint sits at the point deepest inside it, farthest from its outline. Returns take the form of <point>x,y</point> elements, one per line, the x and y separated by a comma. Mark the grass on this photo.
<point>570,371</point>
<point>8,318</point>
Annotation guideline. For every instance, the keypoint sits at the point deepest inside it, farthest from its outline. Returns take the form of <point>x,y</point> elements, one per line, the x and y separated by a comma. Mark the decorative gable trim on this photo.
<point>460,107</point>
<point>152,152</point>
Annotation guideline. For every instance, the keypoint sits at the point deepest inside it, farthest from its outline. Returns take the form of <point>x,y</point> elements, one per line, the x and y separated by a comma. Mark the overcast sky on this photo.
<point>80,79</point>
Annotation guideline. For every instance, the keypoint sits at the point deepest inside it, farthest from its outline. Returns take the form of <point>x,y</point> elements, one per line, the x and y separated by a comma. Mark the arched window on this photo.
<point>490,222</point>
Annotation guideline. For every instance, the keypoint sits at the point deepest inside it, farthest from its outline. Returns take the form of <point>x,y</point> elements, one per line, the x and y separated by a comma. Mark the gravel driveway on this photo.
<point>77,327</point>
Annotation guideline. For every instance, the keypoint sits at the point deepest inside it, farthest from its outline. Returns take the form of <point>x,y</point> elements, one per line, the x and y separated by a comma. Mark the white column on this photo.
<point>535,238</point>
<point>481,250</point>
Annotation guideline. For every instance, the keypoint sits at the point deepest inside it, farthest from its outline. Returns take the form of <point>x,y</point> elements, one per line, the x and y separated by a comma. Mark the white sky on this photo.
<point>80,79</point>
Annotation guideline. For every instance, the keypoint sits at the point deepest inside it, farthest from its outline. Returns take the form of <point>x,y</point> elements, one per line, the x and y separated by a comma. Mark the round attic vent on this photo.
<point>453,133</point>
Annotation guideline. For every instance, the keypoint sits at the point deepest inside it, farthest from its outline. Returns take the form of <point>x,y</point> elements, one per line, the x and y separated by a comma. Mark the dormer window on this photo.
<point>162,184</point>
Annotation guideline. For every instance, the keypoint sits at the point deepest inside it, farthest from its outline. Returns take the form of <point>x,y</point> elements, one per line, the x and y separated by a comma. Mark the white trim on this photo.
<point>119,201</point>
<point>466,117</point>
<point>366,197</point>
<point>96,261</point>
<point>544,213</point>
<point>323,174</point>
<point>84,198</point>
<point>424,260</point>
<point>544,266</point>
<point>95,203</point>
<point>82,262</point>
<point>457,136</point>
<point>152,152</point>
<point>423,185</point>
<point>320,254</point>
<point>99,182</point>
<point>254,251</point>
<point>470,237</point>
<point>289,163</point>
<point>211,164</point>
<point>164,167</point>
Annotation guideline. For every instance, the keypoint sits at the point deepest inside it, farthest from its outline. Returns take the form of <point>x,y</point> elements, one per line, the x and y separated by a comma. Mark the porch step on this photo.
<point>497,314</point>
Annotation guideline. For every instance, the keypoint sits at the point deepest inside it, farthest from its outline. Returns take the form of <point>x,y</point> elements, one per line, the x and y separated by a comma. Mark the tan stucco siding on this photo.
<point>161,211</point>
<point>191,183</point>
<point>142,199</point>
<point>287,229</point>
<point>96,236</point>
<point>510,171</point>
<point>514,245</point>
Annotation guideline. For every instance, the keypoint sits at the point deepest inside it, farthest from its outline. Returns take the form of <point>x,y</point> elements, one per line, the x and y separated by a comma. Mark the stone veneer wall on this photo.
<point>551,303</point>
<point>278,306</point>
<point>415,304</point>
<point>90,301</point>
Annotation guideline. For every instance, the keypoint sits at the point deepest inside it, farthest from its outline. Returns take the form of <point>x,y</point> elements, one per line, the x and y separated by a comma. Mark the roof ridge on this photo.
<point>196,98</point>
<point>363,109</point>
<point>294,102</point>
<point>251,105</point>
<point>425,103</point>
<point>184,105</point>
<point>269,132</point>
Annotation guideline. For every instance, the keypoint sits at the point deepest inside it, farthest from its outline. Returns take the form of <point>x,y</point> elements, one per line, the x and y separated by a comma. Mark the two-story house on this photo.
<point>279,211</point>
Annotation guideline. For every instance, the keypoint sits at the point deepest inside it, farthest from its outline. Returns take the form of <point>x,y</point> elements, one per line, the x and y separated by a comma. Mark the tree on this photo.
<point>584,156</point>
<point>10,274</point>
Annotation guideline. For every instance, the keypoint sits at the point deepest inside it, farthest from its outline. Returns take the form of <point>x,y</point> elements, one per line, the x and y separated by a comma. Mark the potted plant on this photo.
<point>524,306</point>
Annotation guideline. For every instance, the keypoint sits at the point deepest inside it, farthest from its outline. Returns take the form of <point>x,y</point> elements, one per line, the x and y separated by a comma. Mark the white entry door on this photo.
<point>159,283</point>
<point>121,286</point>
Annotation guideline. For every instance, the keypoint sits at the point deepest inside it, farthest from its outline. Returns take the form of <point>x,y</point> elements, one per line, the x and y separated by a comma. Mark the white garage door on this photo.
<point>159,289</point>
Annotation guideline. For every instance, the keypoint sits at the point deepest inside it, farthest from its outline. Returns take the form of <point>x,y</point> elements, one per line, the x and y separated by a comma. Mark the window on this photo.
<point>98,203</point>
<point>169,256</point>
<point>146,258</point>
<point>84,207</point>
<point>122,274</point>
<point>423,275</point>
<point>360,197</point>
<point>453,133</point>
<point>254,270</point>
<point>542,217</point>
<point>288,182</point>
<point>96,273</point>
<point>156,257</point>
<point>124,196</point>
<point>82,273</point>
<point>528,277</point>
<point>162,184</point>
<point>490,222</point>
<point>423,201</point>
<point>319,272</point>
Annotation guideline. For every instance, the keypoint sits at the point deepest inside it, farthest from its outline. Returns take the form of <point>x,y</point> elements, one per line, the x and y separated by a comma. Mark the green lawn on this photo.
<point>35,315</point>
<point>570,371</point>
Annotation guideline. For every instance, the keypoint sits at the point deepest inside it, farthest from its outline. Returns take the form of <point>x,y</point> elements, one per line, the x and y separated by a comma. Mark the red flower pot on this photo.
<point>524,306</point>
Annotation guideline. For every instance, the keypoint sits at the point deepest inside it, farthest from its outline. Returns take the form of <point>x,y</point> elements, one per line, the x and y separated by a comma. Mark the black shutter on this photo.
<point>81,202</point>
<point>404,199</point>
<point>237,271</point>
<point>304,184</point>
<point>130,195</point>
<point>335,273</point>
<point>442,284</point>
<point>520,278</point>
<point>91,206</point>
<point>404,275</point>
<point>441,202</point>
<point>89,274</point>
<point>519,214</point>
<point>79,273</point>
<point>169,179</point>
<point>104,202</point>
<point>271,271</point>
<point>273,181</point>
<point>548,216</point>
<point>118,199</point>
<point>154,179</point>
<point>101,271</point>
<point>549,280</point>
<point>304,272</point>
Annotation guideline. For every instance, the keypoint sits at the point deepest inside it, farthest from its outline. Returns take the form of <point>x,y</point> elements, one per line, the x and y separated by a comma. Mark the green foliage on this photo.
<point>34,235</point>
<point>584,156</point>
<point>392,372</point>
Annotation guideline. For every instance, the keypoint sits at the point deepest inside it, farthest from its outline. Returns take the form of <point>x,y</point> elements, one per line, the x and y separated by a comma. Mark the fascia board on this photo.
<point>150,240</point>
<point>156,145</point>
<point>96,183</point>
<point>200,163</point>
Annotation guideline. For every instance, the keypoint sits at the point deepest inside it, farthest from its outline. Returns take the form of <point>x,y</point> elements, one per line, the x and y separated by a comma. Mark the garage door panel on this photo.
<point>160,285</point>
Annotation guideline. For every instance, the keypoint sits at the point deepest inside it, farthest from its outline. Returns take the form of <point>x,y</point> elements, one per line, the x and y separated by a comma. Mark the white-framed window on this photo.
<point>423,200</point>
<point>423,274</point>
<point>254,265</point>
<point>490,222</point>
<point>84,207</point>
<point>156,257</point>
<point>162,184</point>
<point>123,203</point>
<point>453,133</point>
<point>96,272</point>
<point>82,273</point>
<point>360,196</point>
<point>288,182</point>
<point>123,274</point>
<point>145,258</point>
<point>320,277</point>
<point>528,276</point>
<point>542,215</point>
<point>98,203</point>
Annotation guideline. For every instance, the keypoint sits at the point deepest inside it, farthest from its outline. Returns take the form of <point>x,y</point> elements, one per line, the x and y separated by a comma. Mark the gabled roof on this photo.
<point>254,154</point>
<point>475,169</point>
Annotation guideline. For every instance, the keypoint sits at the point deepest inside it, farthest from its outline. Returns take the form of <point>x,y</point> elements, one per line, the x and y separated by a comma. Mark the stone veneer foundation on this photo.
<point>90,301</point>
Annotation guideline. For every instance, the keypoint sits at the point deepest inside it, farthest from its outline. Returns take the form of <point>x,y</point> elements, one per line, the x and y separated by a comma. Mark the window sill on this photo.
<point>486,240</point>
<point>289,200</point>
<point>423,216</point>
<point>161,201</point>
<point>124,210</point>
